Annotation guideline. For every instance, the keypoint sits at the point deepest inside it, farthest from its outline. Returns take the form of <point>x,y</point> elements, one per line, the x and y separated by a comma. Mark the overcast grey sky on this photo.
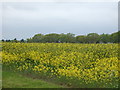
<point>24,20</point>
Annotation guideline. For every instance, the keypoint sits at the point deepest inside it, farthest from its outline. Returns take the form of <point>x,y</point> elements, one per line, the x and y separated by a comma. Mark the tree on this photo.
<point>62,38</point>
<point>115,37</point>
<point>15,40</point>
<point>71,38</point>
<point>53,37</point>
<point>104,38</point>
<point>3,40</point>
<point>22,40</point>
<point>92,37</point>
<point>67,38</point>
<point>29,40</point>
<point>81,39</point>
<point>8,40</point>
<point>38,38</point>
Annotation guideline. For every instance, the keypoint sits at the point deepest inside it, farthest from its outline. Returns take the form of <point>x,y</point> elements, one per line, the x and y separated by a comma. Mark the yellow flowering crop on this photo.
<point>88,62</point>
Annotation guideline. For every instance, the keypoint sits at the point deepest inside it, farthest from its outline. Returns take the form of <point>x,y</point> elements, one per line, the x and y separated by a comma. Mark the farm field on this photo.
<point>70,64</point>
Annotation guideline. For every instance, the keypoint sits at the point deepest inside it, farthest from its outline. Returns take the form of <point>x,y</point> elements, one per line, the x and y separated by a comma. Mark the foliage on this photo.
<point>104,38</point>
<point>51,38</point>
<point>81,39</point>
<point>70,38</point>
<point>115,37</point>
<point>92,37</point>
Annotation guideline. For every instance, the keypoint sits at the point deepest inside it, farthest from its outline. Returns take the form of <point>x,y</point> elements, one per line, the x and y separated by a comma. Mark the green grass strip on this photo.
<point>16,80</point>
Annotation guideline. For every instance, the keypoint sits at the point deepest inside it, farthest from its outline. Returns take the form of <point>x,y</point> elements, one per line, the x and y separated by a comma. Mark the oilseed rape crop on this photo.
<point>79,64</point>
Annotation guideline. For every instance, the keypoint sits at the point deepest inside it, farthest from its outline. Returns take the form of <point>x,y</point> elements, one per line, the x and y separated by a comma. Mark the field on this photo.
<point>68,64</point>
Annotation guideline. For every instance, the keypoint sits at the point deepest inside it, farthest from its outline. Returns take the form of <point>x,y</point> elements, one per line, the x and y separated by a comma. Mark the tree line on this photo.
<point>71,38</point>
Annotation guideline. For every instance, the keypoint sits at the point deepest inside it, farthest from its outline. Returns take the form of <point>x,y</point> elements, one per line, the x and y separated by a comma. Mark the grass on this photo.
<point>16,80</point>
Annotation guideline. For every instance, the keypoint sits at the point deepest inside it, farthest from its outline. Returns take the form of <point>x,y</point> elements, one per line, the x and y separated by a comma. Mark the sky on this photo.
<point>25,19</point>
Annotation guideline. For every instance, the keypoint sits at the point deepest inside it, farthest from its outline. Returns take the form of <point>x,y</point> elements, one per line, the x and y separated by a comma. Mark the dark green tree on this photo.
<point>8,40</point>
<point>92,38</point>
<point>22,40</point>
<point>29,40</point>
<point>81,39</point>
<point>67,38</point>
<point>2,40</point>
<point>104,38</point>
<point>53,37</point>
<point>37,38</point>
<point>115,37</point>
<point>15,40</point>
